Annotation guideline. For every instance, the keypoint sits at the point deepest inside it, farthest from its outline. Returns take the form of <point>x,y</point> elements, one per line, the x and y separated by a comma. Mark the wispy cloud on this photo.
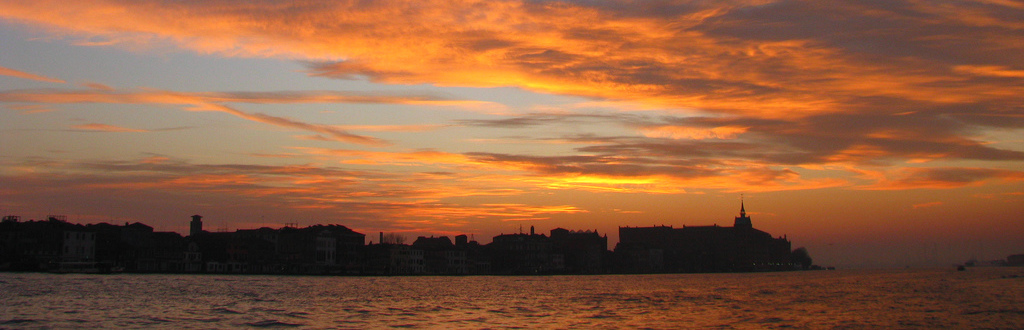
<point>334,133</point>
<point>926,205</point>
<point>541,118</point>
<point>946,178</point>
<point>773,59</point>
<point>360,198</point>
<point>25,75</point>
<point>211,101</point>
<point>392,128</point>
<point>818,78</point>
<point>105,128</point>
<point>99,86</point>
<point>775,87</point>
<point>29,108</point>
<point>677,132</point>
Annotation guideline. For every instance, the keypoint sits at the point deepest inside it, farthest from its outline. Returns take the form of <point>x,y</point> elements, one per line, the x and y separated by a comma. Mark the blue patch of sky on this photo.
<point>162,67</point>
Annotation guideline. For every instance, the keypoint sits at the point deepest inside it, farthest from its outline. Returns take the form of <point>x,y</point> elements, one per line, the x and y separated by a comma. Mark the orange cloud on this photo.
<point>25,75</point>
<point>647,175</point>
<point>813,95</point>
<point>703,56</point>
<point>106,128</point>
<point>98,86</point>
<point>29,108</point>
<point>771,94</point>
<point>945,178</point>
<point>101,95</point>
<point>520,174</point>
<point>410,201</point>
<point>390,128</point>
<point>675,132</point>
<point>502,212</point>
<point>215,102</point>
<point>925,205</point>
<point>413,158</point>
<point>336,134</point>
<point>990,70</point>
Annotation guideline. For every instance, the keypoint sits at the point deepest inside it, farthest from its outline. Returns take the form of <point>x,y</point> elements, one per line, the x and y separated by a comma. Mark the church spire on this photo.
<point>742,221</point>
<point>743,212</point>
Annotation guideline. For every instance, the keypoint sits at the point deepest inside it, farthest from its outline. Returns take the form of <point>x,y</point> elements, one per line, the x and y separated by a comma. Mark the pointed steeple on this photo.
<point>743,212</point>
<point>742,221</point>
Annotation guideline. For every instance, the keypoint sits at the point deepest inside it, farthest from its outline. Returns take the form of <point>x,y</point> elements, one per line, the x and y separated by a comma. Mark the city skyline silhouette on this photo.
<point>56,245</point>
<point>878,135</point>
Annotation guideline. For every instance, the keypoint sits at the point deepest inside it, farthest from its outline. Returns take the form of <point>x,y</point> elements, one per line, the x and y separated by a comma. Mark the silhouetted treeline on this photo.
<point>802,258</point>
<point>56,245</point>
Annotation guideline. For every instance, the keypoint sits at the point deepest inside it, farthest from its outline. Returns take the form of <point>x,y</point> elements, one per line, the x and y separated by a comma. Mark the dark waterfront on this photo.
<point>57,245</point>
<point>977,298</point>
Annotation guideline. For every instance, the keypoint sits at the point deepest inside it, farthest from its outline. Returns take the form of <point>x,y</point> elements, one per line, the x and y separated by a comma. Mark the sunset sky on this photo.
<point>874,133</point>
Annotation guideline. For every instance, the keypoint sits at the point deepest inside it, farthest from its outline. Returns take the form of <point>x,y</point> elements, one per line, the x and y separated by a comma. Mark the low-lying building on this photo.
<point>739,248</point>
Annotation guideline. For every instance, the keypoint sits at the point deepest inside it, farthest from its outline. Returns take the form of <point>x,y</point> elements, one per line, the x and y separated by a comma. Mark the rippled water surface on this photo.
<point>977,298</point>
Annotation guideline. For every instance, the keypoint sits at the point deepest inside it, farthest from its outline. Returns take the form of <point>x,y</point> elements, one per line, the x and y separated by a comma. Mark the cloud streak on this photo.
<point>774,59</point>
<point>106,128</point>
<point>211,101</point>
<point>25,75</point>
<point>946,178</point>
<point>356,197</point>
<point>955,66</point>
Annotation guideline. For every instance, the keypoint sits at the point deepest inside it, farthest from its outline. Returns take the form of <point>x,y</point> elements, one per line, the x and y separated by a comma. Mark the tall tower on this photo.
<point>196,226</point>
<point>742,221</point>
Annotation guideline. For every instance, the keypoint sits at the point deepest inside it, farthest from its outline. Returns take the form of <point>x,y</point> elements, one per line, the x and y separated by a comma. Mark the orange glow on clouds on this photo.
<point>214,102</point>
<point>25,75</point>
<point>564,112</point>
<point>105,128</point>
<point>725,132</point>
<point>550,47</point>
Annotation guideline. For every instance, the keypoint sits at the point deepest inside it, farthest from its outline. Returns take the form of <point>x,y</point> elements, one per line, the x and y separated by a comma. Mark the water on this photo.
<point>977,298</point>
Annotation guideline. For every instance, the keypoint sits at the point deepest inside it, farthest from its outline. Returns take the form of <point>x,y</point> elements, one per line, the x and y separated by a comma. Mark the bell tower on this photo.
<point>196,226</point>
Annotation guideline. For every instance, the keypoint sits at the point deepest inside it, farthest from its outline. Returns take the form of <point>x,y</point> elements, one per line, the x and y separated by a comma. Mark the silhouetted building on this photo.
<point>441,257</point>
<point>1015,260</point>
<point>56,245</point>
<point>79,246</point>
<point>140,249</point>
<point>33,245</point>
<point>196,226</point>
<point>193,258</point>
<point>49,245</point>
<point>318,249</point>
<point>524,254</point>
<point>478,258</point>
<point>108,243</point>
<point>584,251</point>
<point>394,259</point>
<point>701,248</point>
<point>742,221</point>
